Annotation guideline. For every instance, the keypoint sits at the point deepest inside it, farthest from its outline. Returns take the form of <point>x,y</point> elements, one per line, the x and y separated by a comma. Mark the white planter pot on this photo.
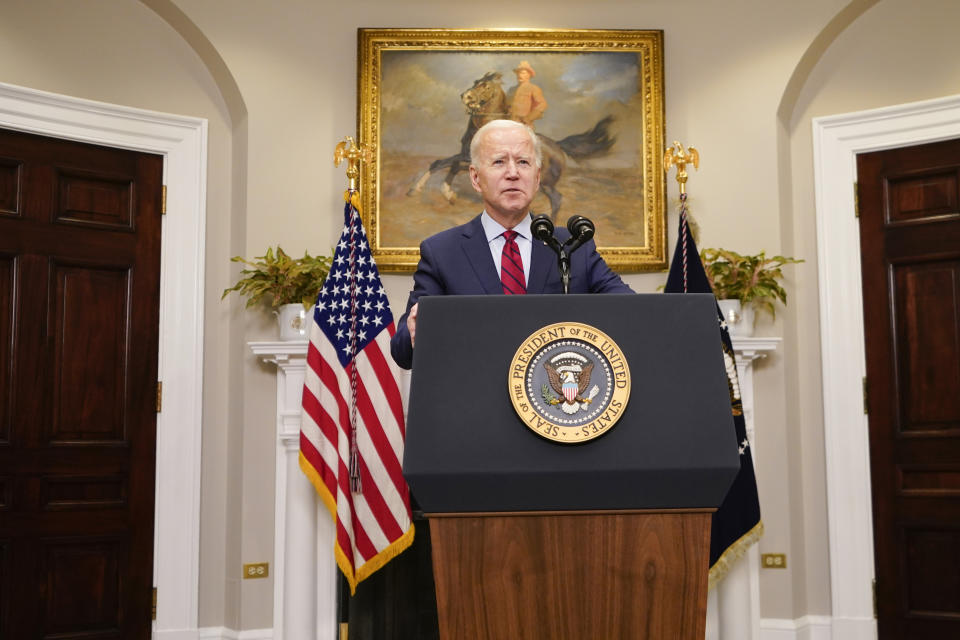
<point>739,319</point>
<point>293,322</point>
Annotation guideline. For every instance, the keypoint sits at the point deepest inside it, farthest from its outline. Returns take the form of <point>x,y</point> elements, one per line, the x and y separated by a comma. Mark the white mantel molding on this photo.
<point>748,350</point>
<point>305,575</point>
<point>733,607</point>
<point>751,348</point>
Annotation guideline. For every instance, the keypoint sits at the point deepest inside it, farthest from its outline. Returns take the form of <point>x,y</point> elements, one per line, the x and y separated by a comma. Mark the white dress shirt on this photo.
<point>494,232</point>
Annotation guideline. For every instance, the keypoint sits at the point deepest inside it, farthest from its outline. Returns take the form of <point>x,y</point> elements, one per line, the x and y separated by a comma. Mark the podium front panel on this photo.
<point>467,450</point>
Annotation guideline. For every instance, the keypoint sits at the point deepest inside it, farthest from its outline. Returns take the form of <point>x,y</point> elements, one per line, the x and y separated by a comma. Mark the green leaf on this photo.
<point>278,279</point>
<point>753,279</point>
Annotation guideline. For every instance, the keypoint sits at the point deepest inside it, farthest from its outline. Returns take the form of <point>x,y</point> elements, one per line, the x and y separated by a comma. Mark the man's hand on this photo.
<point>412,323</point>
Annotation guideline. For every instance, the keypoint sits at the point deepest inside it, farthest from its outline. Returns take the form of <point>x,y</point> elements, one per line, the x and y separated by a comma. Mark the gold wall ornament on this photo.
<point>348,150</point>
<point>421,90</point>
<point>569,382</point>
<point>676,155</point>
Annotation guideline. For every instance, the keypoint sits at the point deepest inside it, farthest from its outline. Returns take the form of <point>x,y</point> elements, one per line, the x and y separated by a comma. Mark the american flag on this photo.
<point>352,432</point>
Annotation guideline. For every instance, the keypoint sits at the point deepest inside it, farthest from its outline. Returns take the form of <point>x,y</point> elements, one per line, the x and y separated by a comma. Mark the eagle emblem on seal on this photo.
<point>569,375</point>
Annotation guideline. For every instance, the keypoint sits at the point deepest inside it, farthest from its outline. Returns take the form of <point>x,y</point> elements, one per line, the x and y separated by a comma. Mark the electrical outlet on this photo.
<point>256,570</point>
<point>773,560</point>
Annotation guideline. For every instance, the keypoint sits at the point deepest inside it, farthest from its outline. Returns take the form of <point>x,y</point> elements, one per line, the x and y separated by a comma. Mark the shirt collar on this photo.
<point>493,229</point>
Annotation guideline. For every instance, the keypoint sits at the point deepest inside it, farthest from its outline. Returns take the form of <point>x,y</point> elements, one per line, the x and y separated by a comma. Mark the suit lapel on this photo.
<point>542,260</point>
<point>478,254</point>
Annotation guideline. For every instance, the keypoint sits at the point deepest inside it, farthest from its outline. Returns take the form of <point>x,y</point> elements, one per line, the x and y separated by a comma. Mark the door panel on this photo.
<point>83,583</point>
<point>79,317</point>
<point>10,180</point>
<point>910,258</point>
<point>90,353</point>
<point>928,349</point>
<point>98,200</point>
<point>7,273</point>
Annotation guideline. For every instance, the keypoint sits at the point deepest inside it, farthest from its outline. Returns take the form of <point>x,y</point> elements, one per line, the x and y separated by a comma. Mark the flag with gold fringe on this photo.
<point>736,523</point>
<point>352,433</point>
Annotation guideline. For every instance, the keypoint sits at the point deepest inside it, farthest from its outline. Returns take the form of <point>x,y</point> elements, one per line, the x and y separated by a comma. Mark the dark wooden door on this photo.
<point>79,310</point>
<point>910,255</point>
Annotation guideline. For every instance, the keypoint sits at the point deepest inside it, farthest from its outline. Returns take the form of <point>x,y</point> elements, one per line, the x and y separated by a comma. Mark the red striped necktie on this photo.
<point>511,266</point>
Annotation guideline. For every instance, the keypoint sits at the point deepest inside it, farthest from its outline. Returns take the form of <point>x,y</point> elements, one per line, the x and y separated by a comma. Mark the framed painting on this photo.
<point>595,97</point>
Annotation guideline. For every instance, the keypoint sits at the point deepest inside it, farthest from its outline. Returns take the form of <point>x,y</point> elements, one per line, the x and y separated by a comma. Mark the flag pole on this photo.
<point>736,524</point>
<point>676,155</point>
<point>347,150</point>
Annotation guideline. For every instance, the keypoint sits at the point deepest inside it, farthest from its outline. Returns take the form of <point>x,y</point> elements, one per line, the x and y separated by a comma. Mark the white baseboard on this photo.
<point>222,633</point>
<point>174,634</point>
<point>805,628</point>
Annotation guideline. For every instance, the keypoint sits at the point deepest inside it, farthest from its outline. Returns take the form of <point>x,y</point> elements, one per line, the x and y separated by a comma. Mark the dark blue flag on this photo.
<point>736,524</point>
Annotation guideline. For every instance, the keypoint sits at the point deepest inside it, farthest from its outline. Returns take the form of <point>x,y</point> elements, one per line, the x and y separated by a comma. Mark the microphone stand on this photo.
<point>564,260</point>
<point>542,229</point>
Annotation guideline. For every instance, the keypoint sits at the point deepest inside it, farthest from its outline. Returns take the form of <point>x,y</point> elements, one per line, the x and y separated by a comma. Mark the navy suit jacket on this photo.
<point>458,262</point>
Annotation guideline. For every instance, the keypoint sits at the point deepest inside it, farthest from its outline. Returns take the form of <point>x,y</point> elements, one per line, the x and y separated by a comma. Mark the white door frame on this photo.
<point>183,143</point>
<point>836,141</point>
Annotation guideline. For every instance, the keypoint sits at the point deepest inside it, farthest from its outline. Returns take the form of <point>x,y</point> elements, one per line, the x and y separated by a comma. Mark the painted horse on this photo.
<point>486,101</point>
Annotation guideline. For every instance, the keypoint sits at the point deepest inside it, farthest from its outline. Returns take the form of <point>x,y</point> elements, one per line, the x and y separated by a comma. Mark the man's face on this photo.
<point>523,75</point>
<point>506,175</point>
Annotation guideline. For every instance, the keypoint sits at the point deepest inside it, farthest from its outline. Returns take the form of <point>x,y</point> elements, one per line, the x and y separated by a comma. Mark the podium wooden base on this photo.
<point>572,575</point>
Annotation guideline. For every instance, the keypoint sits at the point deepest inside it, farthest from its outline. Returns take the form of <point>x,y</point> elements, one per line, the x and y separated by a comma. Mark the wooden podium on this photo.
<point>533,539</point>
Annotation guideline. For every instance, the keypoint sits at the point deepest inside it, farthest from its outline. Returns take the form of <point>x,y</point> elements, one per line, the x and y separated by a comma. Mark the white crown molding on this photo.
<point>836,141</point>
<point>183,143</point>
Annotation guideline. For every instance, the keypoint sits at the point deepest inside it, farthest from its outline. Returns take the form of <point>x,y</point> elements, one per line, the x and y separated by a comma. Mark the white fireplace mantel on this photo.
<point>305,574</point>
<point>304,571</point>
<point>733,606</point>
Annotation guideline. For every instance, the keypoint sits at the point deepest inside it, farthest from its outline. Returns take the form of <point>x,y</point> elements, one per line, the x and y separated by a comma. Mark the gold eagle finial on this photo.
<point>348,150</point>
<point>676,155</point>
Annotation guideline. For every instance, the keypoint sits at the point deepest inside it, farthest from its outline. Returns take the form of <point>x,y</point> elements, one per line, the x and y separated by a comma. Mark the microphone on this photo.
<point>542,228</point>
<point>581,230</point>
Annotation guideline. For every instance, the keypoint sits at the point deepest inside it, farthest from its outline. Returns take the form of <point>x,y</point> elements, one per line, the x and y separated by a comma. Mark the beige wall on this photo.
<point>277,83</point>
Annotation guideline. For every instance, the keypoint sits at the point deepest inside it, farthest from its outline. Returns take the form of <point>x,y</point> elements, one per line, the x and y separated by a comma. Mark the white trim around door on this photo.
<point>836,141</point>
<point>183,143</point>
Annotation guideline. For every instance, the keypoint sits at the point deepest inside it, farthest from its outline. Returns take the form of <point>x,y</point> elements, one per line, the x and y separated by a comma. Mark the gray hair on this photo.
<point>503,125</point>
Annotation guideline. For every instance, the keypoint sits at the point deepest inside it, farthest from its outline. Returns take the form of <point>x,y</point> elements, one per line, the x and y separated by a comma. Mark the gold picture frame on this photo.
<point>419,88</point>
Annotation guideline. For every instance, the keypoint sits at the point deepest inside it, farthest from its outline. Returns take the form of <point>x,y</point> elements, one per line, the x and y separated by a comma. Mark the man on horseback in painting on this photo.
<point>486,101</point>
<point>527,103</point>
<point>495,252</point>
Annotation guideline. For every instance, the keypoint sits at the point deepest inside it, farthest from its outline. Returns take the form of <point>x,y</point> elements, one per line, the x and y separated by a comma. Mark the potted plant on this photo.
<point>289,286</point>
<point>745,283</point>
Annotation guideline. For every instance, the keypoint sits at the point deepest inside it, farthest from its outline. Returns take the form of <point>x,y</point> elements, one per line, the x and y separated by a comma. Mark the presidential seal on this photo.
<point>569,382</point>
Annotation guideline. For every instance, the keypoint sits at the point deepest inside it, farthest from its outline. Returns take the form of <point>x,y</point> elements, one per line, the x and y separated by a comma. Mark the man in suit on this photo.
<point>495,253</point>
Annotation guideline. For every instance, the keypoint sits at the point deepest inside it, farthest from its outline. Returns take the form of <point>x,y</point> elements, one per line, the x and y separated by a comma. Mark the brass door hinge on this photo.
<point>159,396</point>
<point>154,608</point>
<point>163,200</point>
<point>856,200</point>
<point>866,398</point>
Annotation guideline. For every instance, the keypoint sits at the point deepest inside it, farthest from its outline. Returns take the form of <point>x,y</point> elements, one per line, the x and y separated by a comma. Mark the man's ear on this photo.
<point>475,179</point>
